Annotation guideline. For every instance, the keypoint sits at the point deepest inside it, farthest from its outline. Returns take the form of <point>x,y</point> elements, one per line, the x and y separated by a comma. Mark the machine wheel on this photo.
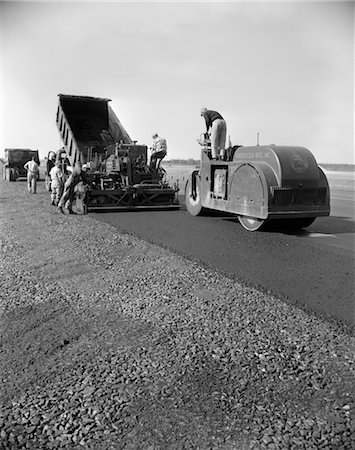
<point>10,174</point>
<point>251,223</point>
<point>193,199</point>
<point>290,224</point>
<point>297,224</point>
<point>47,181</point>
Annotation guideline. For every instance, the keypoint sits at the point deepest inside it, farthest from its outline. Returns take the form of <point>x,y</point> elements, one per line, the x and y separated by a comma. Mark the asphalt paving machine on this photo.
<point>119,175</point>
<point>263,185</point>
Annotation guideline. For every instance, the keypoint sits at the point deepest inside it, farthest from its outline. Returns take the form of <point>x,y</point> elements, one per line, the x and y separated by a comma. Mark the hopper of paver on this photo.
<point>119,175</point>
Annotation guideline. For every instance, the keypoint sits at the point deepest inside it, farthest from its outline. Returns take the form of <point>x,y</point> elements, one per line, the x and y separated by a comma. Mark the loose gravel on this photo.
<point>110,342</point>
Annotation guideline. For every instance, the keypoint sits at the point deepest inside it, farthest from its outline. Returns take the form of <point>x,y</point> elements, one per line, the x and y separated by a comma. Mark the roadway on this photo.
<point>313,268</point>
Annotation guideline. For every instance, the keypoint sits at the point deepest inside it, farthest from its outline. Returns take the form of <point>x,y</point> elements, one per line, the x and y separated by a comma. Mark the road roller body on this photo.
<point>263,184</point>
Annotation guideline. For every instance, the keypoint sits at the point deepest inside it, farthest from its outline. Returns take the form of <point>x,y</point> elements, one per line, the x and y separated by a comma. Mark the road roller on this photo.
<point>262,185</point>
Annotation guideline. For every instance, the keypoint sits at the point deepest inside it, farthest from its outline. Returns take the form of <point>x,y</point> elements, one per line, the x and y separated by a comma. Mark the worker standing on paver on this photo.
<point>57,183</point>
<point>159,151</point>
<point>217,124</point>
<point>32,175</point>
<point>68,196</point>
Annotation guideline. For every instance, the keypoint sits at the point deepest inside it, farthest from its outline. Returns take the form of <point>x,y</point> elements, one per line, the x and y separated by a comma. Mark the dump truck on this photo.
<point>15,159</point>
<point>262,185</point>
<point>119,175</point>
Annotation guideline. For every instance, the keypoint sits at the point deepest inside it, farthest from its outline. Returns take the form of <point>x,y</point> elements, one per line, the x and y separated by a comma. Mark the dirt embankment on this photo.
<point>109,342</point>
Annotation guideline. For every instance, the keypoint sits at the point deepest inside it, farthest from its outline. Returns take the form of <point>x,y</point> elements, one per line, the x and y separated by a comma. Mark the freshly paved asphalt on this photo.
<point>313,268</point>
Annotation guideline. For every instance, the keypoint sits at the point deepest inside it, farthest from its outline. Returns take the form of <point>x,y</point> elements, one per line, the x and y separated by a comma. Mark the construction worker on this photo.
<point>159,151</point>
<point>68,196</point>
<point>32,175</point>
<point>217,124</point>
<point>57,183</point>
<point>49,167</point>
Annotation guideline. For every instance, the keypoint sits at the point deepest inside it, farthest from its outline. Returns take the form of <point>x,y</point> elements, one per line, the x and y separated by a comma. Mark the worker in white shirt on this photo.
<point>159,150</point>
<point>68,195</point>
<point>32,175</point>
<point>57,183</point>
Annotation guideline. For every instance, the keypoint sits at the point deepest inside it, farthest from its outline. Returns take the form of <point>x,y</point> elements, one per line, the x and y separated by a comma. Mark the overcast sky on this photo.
<point>283,69</point>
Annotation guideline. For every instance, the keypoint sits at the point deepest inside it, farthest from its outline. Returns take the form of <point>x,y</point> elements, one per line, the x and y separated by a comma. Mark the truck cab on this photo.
<point>15,159</point>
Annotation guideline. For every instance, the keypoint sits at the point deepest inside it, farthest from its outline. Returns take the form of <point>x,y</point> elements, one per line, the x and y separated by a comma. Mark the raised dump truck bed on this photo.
<point>119,176</point>
<point>261,184</point>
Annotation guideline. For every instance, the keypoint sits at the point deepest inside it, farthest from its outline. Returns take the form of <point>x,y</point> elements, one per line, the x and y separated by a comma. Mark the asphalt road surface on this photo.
<point>313,268</point>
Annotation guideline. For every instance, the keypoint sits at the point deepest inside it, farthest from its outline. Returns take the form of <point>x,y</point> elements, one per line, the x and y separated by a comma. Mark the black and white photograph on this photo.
<point>201,295</point>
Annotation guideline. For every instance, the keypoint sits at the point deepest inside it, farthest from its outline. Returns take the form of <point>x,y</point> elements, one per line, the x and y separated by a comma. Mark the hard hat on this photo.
<point>84,167</point>
<point>203,110</point>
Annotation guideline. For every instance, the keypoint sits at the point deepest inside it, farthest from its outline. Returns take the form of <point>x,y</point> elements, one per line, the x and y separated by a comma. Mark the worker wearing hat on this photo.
<point>32,174</point>
<point>159,151</point>
<point>68,196</point>
<point>49,166</point>
<point>217,125</point>
<point>57,183</point>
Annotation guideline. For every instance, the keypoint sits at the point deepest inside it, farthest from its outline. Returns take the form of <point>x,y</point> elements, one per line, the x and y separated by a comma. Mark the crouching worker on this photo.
<point>159,150</point>
<point>57,183</point>
<point>68,196</point>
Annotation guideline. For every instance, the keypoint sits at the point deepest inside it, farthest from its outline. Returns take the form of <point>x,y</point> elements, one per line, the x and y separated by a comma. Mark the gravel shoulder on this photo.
<point>110,342</point>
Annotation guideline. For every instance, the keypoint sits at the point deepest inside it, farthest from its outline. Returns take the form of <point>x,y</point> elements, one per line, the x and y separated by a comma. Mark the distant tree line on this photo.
<point>195,162</point>
<point>182,162</point>
<point>339,167</point>
<point>326,166</point>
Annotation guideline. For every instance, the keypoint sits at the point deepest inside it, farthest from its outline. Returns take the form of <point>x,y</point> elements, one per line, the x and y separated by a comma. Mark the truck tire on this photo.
<point>9,174</point>
<point>193,196</point>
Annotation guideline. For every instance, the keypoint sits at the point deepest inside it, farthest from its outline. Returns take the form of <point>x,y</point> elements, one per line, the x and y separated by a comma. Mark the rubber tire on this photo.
<point>193,205</point>
<point>298,224</point>
<point>251,223</point>
<point>290,224</point>
<point>47,182</point>
<point>10,174</point>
